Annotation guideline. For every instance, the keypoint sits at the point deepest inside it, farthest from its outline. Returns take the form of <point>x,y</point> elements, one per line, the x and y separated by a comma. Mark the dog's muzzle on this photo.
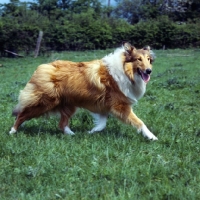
<point>145,75</point>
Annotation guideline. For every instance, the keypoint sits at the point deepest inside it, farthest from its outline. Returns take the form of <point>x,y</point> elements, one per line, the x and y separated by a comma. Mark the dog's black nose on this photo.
<point>148,71</point>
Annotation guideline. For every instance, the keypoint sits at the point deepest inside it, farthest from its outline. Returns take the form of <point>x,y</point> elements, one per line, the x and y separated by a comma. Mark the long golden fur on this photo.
<point>109,85</point>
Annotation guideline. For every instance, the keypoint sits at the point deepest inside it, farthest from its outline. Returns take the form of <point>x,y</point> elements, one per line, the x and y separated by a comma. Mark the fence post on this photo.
<point>38,44</point>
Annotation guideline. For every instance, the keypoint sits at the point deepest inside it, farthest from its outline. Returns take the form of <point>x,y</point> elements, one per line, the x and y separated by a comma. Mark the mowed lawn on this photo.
<point>40,162</point>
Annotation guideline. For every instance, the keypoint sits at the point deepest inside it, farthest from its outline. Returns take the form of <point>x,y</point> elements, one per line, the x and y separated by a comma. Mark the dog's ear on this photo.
<point>128,51</point>
<point>148,48</point>
<point>128,47</point>
<point>152,54</point>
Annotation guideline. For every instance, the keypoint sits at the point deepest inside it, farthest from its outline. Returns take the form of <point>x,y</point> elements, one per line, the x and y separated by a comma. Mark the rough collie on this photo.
<point>110,85</point>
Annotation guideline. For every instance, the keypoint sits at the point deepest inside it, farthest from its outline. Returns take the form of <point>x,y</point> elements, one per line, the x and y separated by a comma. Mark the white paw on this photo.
<point>68,131</point>
<point>147,133</point>
<point>96,129</point>
<point>99,121</point>
<point>12,131</point>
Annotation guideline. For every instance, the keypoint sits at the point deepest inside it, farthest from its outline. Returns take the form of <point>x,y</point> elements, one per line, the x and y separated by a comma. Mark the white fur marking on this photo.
<point>99,121</point>
<point>12,131</point>
<point>68,131</point>
<point>147,133</point>
<point>114,64</point>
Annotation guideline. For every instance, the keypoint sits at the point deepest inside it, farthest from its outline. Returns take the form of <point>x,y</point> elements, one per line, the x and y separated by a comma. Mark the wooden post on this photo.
<point>38,44</point>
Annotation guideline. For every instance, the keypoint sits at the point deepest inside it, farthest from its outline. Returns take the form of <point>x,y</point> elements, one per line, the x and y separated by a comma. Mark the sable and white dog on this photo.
<point>110,85</point>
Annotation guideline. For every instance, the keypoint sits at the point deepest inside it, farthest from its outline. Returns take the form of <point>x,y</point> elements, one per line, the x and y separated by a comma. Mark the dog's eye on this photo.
<point>139,59</point>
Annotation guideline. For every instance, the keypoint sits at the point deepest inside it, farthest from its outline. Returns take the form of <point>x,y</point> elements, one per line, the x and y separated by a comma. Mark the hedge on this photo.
<point>84,32</point>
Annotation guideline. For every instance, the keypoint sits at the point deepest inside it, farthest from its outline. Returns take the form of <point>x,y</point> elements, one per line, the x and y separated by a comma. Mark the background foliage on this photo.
<point>89,24</point>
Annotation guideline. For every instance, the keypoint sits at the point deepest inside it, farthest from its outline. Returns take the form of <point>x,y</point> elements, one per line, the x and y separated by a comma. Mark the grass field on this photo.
<point>39,162</point>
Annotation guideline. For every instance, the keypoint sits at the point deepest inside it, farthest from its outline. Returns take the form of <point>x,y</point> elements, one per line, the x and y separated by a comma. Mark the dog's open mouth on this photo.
<point>144,75</point>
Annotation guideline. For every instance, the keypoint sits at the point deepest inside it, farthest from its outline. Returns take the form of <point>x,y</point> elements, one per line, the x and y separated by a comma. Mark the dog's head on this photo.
<point>138,62</point>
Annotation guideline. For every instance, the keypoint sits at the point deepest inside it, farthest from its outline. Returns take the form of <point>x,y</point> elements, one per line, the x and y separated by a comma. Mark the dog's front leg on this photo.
<point>147,133</point>
<point>126,114</point>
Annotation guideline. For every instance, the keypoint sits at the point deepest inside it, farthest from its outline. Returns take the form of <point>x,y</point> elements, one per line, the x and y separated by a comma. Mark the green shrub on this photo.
<point>86,31</point>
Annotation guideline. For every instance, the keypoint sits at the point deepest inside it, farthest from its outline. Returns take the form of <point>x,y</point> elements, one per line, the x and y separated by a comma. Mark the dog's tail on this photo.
<point>40,94</point>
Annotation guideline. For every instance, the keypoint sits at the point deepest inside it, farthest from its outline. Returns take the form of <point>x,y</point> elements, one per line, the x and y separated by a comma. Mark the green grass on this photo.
<point>39,162</point>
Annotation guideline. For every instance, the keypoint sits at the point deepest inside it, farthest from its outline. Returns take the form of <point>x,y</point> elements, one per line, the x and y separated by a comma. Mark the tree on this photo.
<point>177,10</point>
<point>83,5</point>
<point>135,10</point>
<point>13,8</point>
<point>89,24</point>
<point>181,10</point>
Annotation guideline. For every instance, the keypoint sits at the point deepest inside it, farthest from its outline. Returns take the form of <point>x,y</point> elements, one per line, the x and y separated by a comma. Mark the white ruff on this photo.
<point>133,91</point>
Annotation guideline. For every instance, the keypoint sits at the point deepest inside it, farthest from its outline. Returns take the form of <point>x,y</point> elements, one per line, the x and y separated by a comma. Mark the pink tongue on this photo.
<point>145,77</point>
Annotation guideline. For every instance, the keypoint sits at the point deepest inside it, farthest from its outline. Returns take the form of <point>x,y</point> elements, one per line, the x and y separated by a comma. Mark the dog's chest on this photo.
<point>138,87</point>
<point>134,91</point>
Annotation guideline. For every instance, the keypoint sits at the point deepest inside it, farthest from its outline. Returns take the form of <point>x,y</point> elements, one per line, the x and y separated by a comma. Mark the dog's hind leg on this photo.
<point>27,114</point>
<point>99,121</point>
<point>19,120</point>
<point>66,112</point>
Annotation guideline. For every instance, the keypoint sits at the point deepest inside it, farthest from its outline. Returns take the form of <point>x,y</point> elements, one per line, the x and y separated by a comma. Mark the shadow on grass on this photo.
<point>80,124</point>
<point>34,130</point>
<point>117,132</point>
